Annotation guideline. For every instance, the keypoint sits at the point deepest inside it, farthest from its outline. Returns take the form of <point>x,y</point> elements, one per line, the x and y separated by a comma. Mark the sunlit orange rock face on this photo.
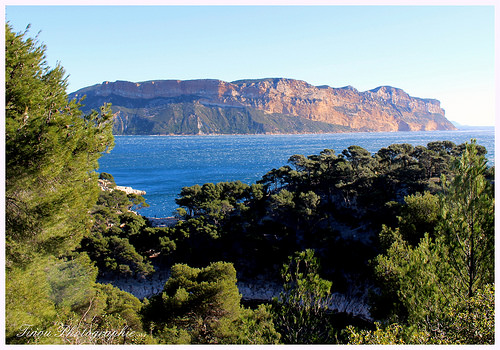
<point>382,109</point>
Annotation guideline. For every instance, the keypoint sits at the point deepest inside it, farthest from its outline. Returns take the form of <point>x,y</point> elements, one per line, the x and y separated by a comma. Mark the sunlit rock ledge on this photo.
<point>107,185</point>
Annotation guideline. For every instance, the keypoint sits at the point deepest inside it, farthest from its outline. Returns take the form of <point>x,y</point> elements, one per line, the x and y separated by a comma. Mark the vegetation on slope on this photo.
<point>193,118</point>
<point>414,225</point>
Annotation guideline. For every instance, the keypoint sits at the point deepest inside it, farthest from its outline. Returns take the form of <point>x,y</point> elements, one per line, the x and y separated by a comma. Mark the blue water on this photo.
<point>162,165</point>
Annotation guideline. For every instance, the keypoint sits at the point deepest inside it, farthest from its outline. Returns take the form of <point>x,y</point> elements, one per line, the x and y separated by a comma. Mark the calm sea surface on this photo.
<point>162,165</point>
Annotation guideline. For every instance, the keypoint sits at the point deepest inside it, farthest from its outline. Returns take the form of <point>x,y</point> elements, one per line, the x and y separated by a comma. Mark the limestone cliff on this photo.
<point>260,106</point>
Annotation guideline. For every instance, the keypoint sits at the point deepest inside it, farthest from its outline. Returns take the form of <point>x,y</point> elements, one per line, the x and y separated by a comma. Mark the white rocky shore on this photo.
<point>147,287</point>
<point>107,185</point>
<point>259,290</point>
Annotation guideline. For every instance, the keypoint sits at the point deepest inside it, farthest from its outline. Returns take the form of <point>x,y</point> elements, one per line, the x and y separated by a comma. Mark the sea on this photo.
<point>163,165</point>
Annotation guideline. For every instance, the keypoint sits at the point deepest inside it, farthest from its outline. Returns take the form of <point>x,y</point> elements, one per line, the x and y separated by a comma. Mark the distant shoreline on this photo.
<point>461,128</point>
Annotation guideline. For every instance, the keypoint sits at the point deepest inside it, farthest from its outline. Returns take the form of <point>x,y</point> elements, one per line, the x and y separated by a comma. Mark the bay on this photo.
<point>162,165</point>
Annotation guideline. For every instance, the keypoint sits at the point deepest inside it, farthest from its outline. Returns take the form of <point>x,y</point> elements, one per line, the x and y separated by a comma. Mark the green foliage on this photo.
<point>253,327</point>
<point>27,300</point>
<point>468,210</point>
<point>471,321</point>
<point>62,304</point>
<point>174,336</point>
<point>119,304</point>
<point>119,240</point>
<point>298,206</point>
<point>300,311</point>
<point>138,201</point>
<point>419,278</point>
<point>214,201</point>
<point>306,203</point>
<point>51,152</point>
<point>441,286</point>
<point>131,224</point>
<point>71,281</point>
<point>125,259</point>
<point>197,298</point>
<point>116,254</point>
<point>393,334</point>
<point>167,245</point>
<point>282,201</point>
<point>419,215</point>
<point>115,200</point>
<point>361,161</point>
<point>108,177</point>
<point>202,306</point>
<point>110,316</point>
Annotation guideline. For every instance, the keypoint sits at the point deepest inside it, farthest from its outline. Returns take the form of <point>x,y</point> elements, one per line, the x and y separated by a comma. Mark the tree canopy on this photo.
<point>429,285</point>
<point>52,152</point>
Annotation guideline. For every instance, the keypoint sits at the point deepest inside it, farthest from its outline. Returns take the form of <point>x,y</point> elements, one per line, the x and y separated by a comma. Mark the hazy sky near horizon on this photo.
<point>441,52</point>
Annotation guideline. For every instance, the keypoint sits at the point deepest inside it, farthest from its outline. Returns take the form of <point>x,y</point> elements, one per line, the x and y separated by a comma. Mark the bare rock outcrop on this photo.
<point>107,185</point>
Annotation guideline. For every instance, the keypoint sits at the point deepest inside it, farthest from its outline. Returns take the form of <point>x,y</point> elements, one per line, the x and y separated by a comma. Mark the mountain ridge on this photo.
<point>269,105</point>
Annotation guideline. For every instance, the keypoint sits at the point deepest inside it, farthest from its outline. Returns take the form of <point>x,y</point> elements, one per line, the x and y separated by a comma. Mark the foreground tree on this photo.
<point>51,154</point>
<point>300,312</point>
<point>440,290</point>
<point>471,321</point>
<point>468,212</point>
<point>202,306</point>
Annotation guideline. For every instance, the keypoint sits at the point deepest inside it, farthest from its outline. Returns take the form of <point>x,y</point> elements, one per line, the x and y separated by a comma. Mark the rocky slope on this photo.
<point>259,106</point>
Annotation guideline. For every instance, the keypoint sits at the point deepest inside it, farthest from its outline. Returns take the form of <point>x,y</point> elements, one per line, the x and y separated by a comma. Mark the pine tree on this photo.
<point>468,210</point>
<point>442,286</point>
<point>202,306</point>
<point>300,312</point>
<point>51,154</point>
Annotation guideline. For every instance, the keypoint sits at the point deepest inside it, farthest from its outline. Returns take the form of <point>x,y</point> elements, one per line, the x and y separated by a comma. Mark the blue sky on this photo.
<point>441,52</point>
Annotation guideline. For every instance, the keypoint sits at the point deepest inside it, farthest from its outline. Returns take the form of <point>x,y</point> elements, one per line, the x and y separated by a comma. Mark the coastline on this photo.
<point>461,128</point>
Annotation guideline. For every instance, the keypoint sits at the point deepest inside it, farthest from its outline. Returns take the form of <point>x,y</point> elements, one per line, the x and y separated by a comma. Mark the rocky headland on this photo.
<point>274,105</point>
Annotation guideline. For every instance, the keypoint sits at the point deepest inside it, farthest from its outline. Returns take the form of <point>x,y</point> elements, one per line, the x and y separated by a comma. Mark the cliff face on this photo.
<point>260,106</point>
